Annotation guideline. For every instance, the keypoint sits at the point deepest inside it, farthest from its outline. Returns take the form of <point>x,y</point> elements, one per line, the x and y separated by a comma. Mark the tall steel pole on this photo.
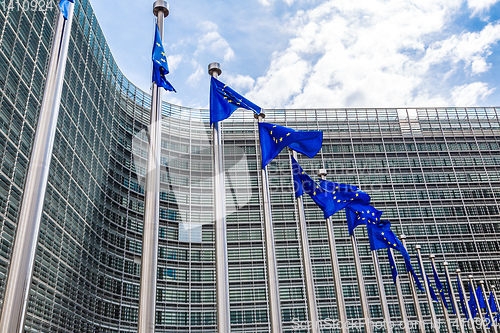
<point>453,297</point>
<point>481,283</point>
<point>221,274</point>
<point>30,214</point>
<point>272,270</point>
<point>445,309</point>
<point>471,282</point>
<point>381,292</point>
<point>361,285</point>
<point>467,308</point>
<point>416,303</point>
<point>307,263</point>
<point>401,301</point>
<point>435,324</point>
<point>339,295</point>
<point>149,263</point>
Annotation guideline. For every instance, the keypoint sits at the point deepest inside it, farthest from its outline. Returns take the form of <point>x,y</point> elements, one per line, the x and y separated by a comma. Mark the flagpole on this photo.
<point>381,291</point>
<point>453,297</point>
<point>467,308</point>
<point>414,294</point>
<point>483,326</point>
<point>307,263</point>
<point>445,309</point>
<point>221,274</point>
<point>149,260</point>
<point>23,254</point>
<point>435,323</point>
<point>272,270</point>
<point>401,301</point>
<point>361,285</point>
<point>487,301</point>
<point>339,295</point>
<point>493,290</point>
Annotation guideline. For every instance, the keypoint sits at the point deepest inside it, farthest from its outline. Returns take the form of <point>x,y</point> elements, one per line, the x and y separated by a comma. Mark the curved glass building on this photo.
<point>435,172</point>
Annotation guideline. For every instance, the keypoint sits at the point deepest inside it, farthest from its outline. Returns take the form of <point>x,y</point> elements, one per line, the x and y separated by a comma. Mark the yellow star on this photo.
<point>281,139</point>
<point>163,54</point>
<point>158,44</point>
<point>274,126</point>
<point>382,234</point>
<point>314,193</point>
<point>271,133</point>
<point>357,194</point>
<point>338,200</point>
<point>287,134</point>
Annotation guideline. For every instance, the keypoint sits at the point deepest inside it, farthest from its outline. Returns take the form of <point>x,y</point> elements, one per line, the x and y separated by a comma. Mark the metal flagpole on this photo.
<point>481,283</point>
<point>401,301</point>
<point>493,290</point>
<point>381,291</point>
<point>453,298</point>
<point>483,326</point>
<point>222,277</point>
<point>272,270</point>
<point>361,285</point>
<point>307,263</point>
<point>467,308</point>
<point>445,309</point>
<point>435,323</point>
<point>414,294</point>
<point>339,295</point>
<point>149,262</point>
<point>30,214</point>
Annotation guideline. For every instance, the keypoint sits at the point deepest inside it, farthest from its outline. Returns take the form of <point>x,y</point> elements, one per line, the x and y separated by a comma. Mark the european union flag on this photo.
<point>480,297</point>
<point>409,268</point>
<point>224,101</point>
<point>448,284</point>
<point>394,271</point>
<point>472,302</point>
<point>274,138</point>
<point>381,237</point>
<point>431,290</point>
<point>64,7</point>
<point>439,285</point>
<point>493,308</point>
<point>358,213</point>
<point>462,299</point>
<point>332,187</point>
<point>160,65</point>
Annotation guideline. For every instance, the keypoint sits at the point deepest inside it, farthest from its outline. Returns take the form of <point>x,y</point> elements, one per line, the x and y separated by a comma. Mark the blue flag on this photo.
<point>394,271</point>
<point>493,304</point>
<point>358,213</point>
<point>381,237</point>
<point>160,65</point>
<point>448,285</point>
<point>274,138</point>
<point>462,299</point>
<point>439,285</point>
<point>64,7</point>
<point>480,297</point>
<point>472,302</point>
<point>328,202</point>
<point>409,268</point>
<point>224,101</point>
<point>422,273</point>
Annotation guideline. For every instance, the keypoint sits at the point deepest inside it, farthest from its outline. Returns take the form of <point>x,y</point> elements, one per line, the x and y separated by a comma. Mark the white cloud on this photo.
<point>374,53</point>
<point>211,41</point>
<point>174,61</point>
<point>470,94</point>
<point>479,7</point>
<point>196,76</point>
<point>239,82</point>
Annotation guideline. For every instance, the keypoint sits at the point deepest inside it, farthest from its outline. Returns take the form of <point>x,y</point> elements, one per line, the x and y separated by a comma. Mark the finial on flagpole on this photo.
<point>418,247</point>
<point>470,277</point>
<point>432,256</point>
<point>160,5</point>
<point>402,236</point>
<point>214,67</point>
<point>458,270</point>
<point>322,173</point>
<point>445,263</point>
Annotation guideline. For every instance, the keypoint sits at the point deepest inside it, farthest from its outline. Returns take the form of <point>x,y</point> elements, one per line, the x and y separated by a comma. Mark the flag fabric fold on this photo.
<point>273,138</point>
<point>160,65</point>
<point>224,101</point>
<point>359,213</point>
<point>450,290</point>
<point>64,7</point>
<point>394,270</point>
<point>472,302</point>
<point>409,268</point>
<point>480,297</point>
<point>462,299</point>
<point>381,236</point>
<point>439,285</point>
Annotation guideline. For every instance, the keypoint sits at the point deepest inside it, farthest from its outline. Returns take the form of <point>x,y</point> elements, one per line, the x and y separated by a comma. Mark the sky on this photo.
<point>316,53</point>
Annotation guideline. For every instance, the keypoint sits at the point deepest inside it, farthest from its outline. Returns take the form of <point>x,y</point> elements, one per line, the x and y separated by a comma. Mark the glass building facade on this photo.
<point>435,172</point>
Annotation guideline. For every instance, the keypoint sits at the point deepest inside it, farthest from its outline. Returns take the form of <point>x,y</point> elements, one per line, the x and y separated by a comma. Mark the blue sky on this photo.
<point>317,53</point>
